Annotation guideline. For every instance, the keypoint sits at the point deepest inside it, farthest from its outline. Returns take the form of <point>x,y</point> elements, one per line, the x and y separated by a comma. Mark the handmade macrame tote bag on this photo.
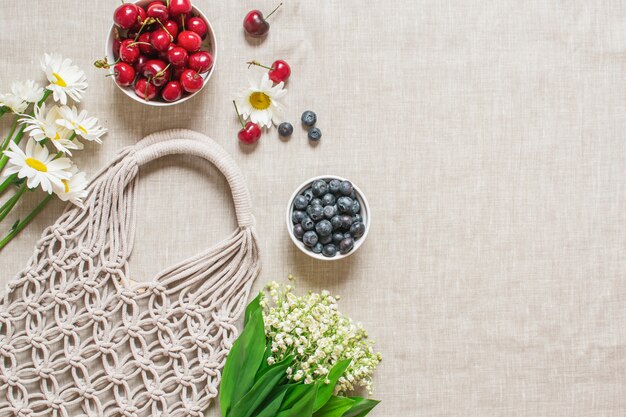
<point>79,338</point>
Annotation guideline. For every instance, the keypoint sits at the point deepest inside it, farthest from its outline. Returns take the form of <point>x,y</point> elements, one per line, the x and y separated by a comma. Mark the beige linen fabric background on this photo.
<point>489,138</point>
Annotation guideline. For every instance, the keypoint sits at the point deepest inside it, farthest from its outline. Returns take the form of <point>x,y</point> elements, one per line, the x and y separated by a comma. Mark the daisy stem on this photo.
<point>22,224</point>
<point>238,115</point>
<point>10,203</point>
<point>8,181</point>
<point>5,144</point>
<point>3,110</point>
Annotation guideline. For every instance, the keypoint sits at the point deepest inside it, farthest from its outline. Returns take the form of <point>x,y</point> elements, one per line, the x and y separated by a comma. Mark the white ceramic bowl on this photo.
<point>208,44</point>
<point>365,213</point>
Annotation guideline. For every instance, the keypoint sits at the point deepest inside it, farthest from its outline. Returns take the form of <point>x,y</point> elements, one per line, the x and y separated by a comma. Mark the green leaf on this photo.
<point>272,404</point>
<point>326,390</point>
<point>251,308</point>
<point>361,407</point>
<point>334,407</point>
<point>264,365</point>
<point>300,405</point>
<point>260,390</point>
<point>242,362</point>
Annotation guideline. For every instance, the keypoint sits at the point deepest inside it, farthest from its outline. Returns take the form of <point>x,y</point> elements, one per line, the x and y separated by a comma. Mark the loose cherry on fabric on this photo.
<point>250,132</point>
<point>279,71</point>
<point>255,24</point>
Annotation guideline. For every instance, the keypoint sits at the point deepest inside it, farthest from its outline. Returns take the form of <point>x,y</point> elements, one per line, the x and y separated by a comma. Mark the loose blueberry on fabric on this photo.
<point>308,118</point>
<point>327,217</point>
<point>285,129</point>
<point>315,134</point>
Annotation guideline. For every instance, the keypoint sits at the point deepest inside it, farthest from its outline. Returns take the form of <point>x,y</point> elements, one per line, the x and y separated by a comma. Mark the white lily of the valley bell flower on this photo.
<point>81,123</point>
<point>65,79</point>
<point>260,102</point>
<point>43,125</point>
<point>74,189</point>
<point>37,165</point>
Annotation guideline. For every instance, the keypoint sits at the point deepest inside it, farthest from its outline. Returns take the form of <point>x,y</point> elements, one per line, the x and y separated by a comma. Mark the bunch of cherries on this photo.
<point>160,52</point>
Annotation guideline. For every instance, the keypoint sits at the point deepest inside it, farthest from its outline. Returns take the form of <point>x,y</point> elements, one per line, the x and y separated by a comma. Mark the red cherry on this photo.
<point>191,81</point>
<point>158,10</point>
<point>200,62</point>
<point>255,24</point>
<point>157,72</point>
<point>129,52</point>
<point>179,7</point>
<point>172,28</point>
<point>198,25</point>
<point>178,72</point>
<point>160,39</point>
<point>125,16</point>
<point>250,133</point>
<point>280,71</point>
<point>189,40</point>
<point>141,62</point>
<point>145,90</point>
<point>144,44</point>
<point>173,91</point>
<point>140,18</point>
<point>124,74</point>
<point>178,57</point>
<point>181,20</point>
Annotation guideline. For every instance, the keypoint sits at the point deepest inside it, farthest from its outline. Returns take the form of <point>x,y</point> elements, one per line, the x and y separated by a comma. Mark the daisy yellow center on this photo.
<point>66,185</point>
<point>260,100</point>
<point>82,129</point>
<point>37,165</point>
<point>57,136</point>
<point>60,81</point>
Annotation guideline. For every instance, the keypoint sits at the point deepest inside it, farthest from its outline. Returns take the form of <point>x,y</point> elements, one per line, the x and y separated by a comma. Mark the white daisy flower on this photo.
<point>74,189</point>
<point>81,123</point>
<point>37,165</point>
<point>22,94</point>
<point>260,102</point>
<point>65,79</point>
<point>44,125</point>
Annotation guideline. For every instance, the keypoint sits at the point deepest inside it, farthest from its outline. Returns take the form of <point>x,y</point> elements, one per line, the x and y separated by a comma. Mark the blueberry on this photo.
<point>333,185</point>
<point>337,237</point>
<point>346,245</point>
<point>346,221</point>
<point>353,195</point>
<point>328,199</point>
<point>356,207</point>
<point>298,231</point>
<point>297,216</point>
<point>315,134</point>
<point>330,212</point>
<point>317,248</point>
<point>344,204</point>
<point>300,202</point>
<point>357,229</point>
<point>315,212</point>
<point>324,228</point>
<point>345,188</point>
<point>357,218</point>
<point>285,129</point>
<point>308,194</point>
<point>316,202</point>
<point>307,223</point>
<point>308,118</point>
<point>329,250</point>
<point>324,240</point>
<point>319,187</point>
<point>336,222</point>
<point>310,238</point>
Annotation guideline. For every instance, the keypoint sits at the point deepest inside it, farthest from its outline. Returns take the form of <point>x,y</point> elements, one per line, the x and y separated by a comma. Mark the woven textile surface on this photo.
<point>78,337</point>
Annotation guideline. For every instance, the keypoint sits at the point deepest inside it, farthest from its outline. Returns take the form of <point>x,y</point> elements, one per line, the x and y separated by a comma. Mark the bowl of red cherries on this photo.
<point>328,217</point>
<point>160,53</point>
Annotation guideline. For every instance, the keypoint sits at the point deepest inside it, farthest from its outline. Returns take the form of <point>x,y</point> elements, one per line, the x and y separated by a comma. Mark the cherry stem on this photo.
<point>239,115</point>
<point>165,29</point>
<point>250,63</point>
<point>273,11</point>
<point>162,72</point>
<point>148,21</point>
<point>139,43</point>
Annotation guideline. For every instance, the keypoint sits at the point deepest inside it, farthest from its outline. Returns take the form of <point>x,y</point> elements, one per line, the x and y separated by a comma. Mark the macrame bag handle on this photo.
<point>181,141</point>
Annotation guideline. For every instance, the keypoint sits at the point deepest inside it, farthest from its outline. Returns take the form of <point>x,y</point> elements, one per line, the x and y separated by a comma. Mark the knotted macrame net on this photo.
<point>78,337</point>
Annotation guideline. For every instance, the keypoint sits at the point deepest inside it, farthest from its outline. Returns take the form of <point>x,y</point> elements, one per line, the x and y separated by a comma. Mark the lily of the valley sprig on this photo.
<point>54,132</point>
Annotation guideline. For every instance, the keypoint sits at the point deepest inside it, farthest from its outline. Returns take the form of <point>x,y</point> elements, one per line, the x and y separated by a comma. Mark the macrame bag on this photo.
<point>78,337</point>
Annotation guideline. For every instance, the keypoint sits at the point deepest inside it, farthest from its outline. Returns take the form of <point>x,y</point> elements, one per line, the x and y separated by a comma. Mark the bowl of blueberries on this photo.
<point>328,217</point>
